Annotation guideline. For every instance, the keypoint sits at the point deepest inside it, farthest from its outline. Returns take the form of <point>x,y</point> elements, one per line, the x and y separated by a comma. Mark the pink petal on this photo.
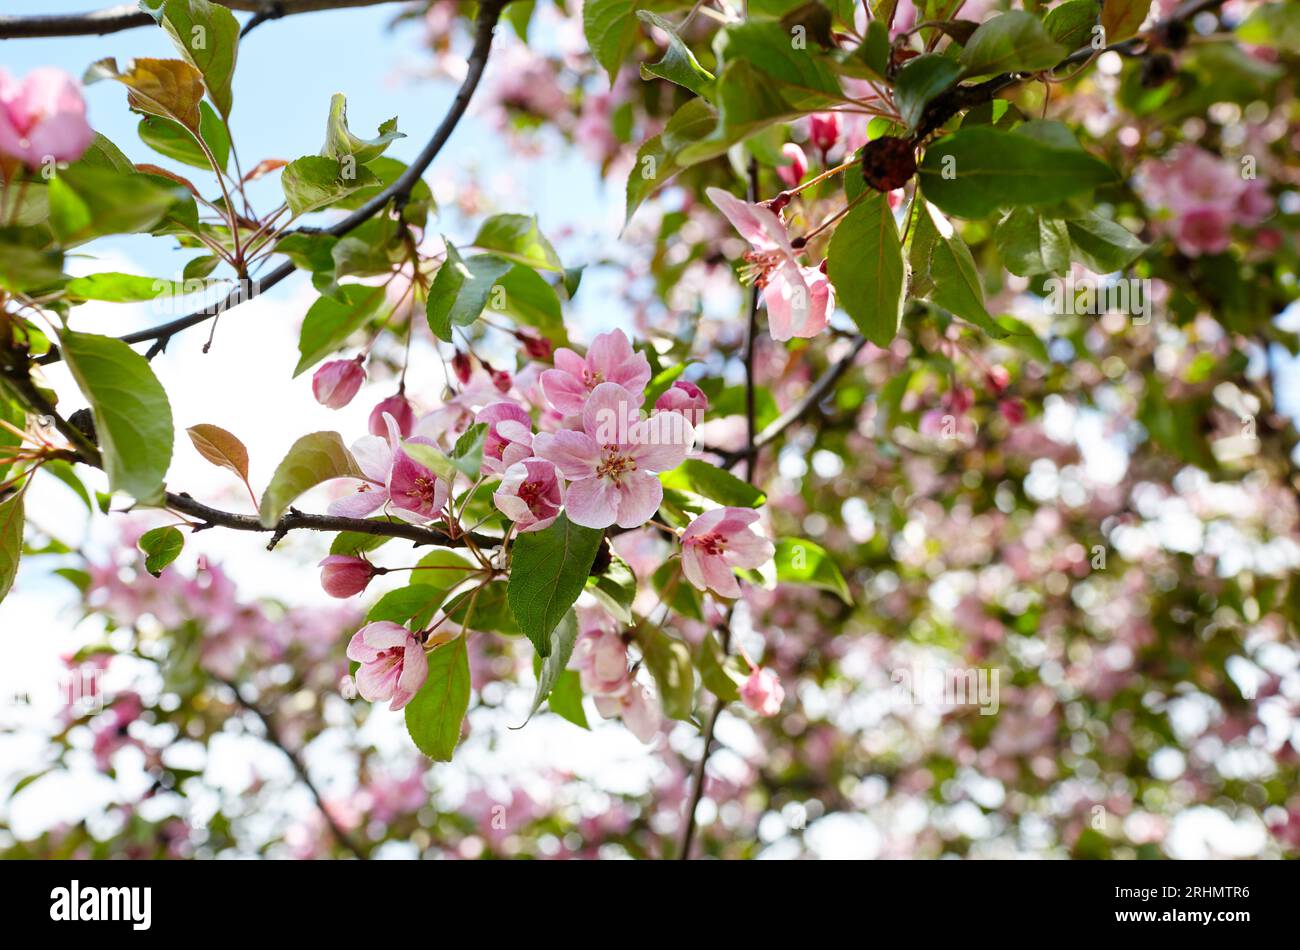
<point>756,224</point>
<point>593,502</point>
<point>575,454</point>
<point>639,496</point>
<point>660,443</point>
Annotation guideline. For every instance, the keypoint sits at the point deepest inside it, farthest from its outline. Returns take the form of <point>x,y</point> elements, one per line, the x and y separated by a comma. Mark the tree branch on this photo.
<point>398,192</point>
<point>128,16</point>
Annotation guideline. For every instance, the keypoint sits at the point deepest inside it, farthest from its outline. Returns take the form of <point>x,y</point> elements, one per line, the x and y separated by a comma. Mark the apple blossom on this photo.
<point>509,436</point>
<point>718,541</point>
<point>399,408</point>
<point>393,663</point>
<point>824,130</point>
<point>609,359</point>
<point>797,165</point>
<point>762,692</point>
<point>42,117</point>
<point>600,655</point>
<point>530,494</point>
<point>611,464</point>
<point>638,709</point>
<point>345,576</point>
<point>686,398</point>
<point>337,381</point>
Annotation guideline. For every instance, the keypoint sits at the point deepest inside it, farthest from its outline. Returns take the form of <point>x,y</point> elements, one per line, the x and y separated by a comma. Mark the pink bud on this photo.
<point>824,129</point>
<point>401,411</point>
<point>344,576</point>
<point>337,382</point>
<point>686,398</point>
<point>792,173</point>
<point>500,379</point>
<point>762,692</point>
<point>1013,410</point>
<point>999,379</point>
<point>462,366</point>
<point>959,399</point>
<point>537,348</point>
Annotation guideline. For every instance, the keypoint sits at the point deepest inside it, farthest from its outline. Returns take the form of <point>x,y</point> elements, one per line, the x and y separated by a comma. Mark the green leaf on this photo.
<point>358,542</point>
<point>438,574</point>
<point>314,182</point>
<point>919,81</point>
<point>11,540</point>
<point>527,298</point>
<point>122,288</point>
<point>161,546</point>
<point>978,170</point>
<point>555,660</point>
<point>615,589</point>
<point>669,662</point>
<point>176,142</point>
<point>656,160</point>
<point>678,593</point>
<point>310,252</point>
<point>866,266</point>
<point>721,675</point>
<point>1030,243</point>
<point>566,699</point>
<point>806,80</point>
<point>610,28</point>
<point>713,483</point>
<point>1013,42</point>
<point>168,88</point>
<point>1121,18</point>
<point>340,142</point>
<point>207,35</point>
<point>434,716</point>
<point>89,201</point>
<point>132,416</point>
<point>330,322</point>
<point>799,561</point>
<point>957,286</point>
<point>467,453</point>
<point>517,238</point>
<point>27,268</point>
<point>679,64</point>
<point>1275,25</point>
<point>548,570</point>
<point>460,290</point>
<point>1071,23</point>
<point>1101,245</point>
<point>313,459</point>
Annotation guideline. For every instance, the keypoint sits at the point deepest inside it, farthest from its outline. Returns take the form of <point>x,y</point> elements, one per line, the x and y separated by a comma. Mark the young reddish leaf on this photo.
<point>220,447</point>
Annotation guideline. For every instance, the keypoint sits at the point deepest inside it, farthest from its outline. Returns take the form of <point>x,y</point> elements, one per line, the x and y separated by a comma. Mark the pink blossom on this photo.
<point>530,494</point>
<point>799,299</point>
<point>762,692</point>
<point>600,655</point>
<point>1204,230</point>
<point>824,129</point>
<point>374,456</point>
<point>638,709</point>
<point>391,476</point>
<point>611,464</point>
<point>345,576</point>
<point>686,398</point>
<point>337,381</point>
<point>42,117</point>
<point>397,406</point>
<point>537,347</point>
<point>509,435</point>
<point>609,359</point>
<point>718,541</point>
<point>393,664</point>
<point>793,172</point>
<point>415,492</point>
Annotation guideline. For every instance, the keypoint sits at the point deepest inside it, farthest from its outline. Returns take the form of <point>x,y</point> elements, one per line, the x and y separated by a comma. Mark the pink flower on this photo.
<point>719,540</point>
<point>609,359</point>
<point>799,299</point>
<point>337,381</point>
<point>686,398</point>
<point>824,129</point>
<point>415,492</point>
<point>43,117</point>
<point>611,464</point>
<point>600,655</point>
<point>391,476</point>
<point>530,494</point>
<point>1204,230</point>
<point>637,708</point>
<point>793,172</point>
<point>344,576</point>
<point>401,411</point>
<point>374,457</point>
<point>509,436</point>
<point>393,664</point>
<point>762,692</point>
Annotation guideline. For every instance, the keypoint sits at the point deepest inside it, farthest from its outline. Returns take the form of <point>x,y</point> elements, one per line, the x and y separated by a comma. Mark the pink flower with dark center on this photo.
<point>686,398</point>
<point>530,494</point>
<point>397,407</point>
<point>393,664</point>
<point>337,381</point>
<point>509,437</point>
<point>762,692</point>
<point>43,117</point>
<point>824,130</point>
<point>718,541</point>
<point>799,299</point>
<point>638,709</point>
<point>792,173</point>
<point>391,476</point>
<point>611,464</point>
<point>609,359</point>
<point>345,576</point>
<point>1204,230</point>
<point>415,493</point>
<point>374,456</point>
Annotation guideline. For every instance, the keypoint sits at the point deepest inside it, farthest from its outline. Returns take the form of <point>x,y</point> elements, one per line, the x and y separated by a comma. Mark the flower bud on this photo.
<point>824,129</point>
<point>792,173</point>
<point>537,348</point>
<point>999,379</point>
<point>686,398</point>
<point>762,692</point>
<point>462,366</point>
<point>344,576</point>
<point>500,378</point>
<point>1013,410</point>
<point>401,411</point>
<point>337,382</point>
